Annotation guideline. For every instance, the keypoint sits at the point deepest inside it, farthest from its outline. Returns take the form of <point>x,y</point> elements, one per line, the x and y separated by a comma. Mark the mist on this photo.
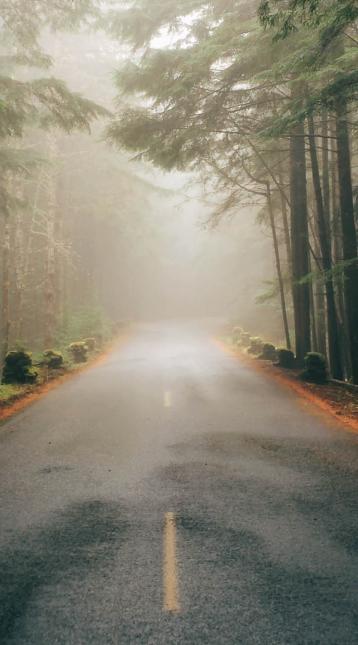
<point>148,177</point>
<point>178,322</point>
<point>131,242</point>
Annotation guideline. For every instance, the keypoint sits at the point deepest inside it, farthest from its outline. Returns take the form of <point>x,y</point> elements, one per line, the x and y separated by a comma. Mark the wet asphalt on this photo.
<point>263,492</point>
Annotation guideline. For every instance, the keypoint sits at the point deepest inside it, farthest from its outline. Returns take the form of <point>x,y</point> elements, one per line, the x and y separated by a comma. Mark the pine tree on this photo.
<point>222,91</point>
<point>30,100</point>
<point>332,60</point>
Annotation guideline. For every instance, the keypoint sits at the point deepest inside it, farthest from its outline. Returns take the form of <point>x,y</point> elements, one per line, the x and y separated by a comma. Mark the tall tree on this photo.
<point>299,237</point>
<point>203,94</point>
<point>29,99</point>
<point>323,220</point>
<point>331,59</point>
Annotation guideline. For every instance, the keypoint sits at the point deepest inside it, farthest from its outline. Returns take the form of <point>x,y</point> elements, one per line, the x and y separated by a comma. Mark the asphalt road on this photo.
<point>174,495</point>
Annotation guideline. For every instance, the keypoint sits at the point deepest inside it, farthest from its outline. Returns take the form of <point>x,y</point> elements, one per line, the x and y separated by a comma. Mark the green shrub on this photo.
<point>286,358</point>
<point>269,352</point>
<point>53,359</point>
<point>91,344</point>
<point>18,368</point>
<point>256,345</point>
<point>79,351</point>
<point>315,368</point>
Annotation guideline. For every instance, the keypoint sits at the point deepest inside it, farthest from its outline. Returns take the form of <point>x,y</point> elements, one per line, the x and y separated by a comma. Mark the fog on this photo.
<point>100,232</point>
<point>175,262</point>
<point>178,321</point>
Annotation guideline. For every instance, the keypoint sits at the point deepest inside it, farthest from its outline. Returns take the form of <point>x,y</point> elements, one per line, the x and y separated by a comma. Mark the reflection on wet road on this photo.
<point>172,495</point>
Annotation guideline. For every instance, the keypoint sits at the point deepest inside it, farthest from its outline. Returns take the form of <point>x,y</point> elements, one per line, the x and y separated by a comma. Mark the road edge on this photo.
<point>271,372</point>
<point>30,397</point>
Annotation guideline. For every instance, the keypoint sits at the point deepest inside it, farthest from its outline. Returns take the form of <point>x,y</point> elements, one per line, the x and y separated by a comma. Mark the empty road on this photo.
<point>172,494</point>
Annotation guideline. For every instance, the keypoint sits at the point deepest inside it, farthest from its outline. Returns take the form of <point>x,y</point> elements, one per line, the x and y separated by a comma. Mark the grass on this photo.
<point>8,392</point>
<point>11,393</point>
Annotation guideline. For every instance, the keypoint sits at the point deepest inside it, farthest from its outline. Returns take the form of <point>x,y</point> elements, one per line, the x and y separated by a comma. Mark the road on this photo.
<point>172,494</point>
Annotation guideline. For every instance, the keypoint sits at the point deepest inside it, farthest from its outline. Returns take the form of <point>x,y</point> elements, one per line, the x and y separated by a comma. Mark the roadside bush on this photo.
<point>18,368</point>
<point>256,345</point>
<point>91,344</point>
<point>245,339</point>
<point>79,351</point>
<point>53,359</point>
<point>236,334</point>
<point>315,368</point>
<point>269,352</point>
<point>286,358</point>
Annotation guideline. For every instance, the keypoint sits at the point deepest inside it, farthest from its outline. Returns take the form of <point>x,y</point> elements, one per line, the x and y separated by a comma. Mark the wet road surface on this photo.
<point>174,495</point>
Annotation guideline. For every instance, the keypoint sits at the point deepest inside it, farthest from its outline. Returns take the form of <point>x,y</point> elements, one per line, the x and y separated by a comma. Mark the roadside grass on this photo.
<point>82,325</point>
<point>11,393</point>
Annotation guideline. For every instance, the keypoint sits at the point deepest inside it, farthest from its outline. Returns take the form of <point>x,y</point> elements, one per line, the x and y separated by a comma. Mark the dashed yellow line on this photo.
<point>170,573</point>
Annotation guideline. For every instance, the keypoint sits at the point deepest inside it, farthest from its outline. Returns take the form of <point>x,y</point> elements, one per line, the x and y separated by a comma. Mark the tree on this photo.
<point>203,96</point>
<point>221,90</point>
<point>28,99</point>
<point>333,22</point>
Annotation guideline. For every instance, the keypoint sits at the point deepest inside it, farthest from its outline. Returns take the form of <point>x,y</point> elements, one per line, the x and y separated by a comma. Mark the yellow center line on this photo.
<point>167,399</point>
<point>170,573</point>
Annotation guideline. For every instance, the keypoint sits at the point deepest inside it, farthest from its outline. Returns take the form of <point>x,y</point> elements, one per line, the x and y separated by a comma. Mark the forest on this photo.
<point>252,102</point>
<point>178,322</point>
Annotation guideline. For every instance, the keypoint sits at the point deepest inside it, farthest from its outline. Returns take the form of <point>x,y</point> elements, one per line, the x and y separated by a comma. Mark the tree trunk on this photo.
<point>349,236</point>
<point>299,241</point>
<point>5,287</point>
<point>50,288</point>
<point>18,279</point>
<point>314,335</point>
<point>285,222</point>
<point>325,172</point>
<point>278,266</point>
<point>320,320</point>
<point>18,264</point>
<point>320,309</point>
<point>286,230</point>
<point>332,324</point>
<point>337,252</point>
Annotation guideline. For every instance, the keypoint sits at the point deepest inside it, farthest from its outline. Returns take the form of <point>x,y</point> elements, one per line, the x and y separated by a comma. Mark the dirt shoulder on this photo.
<point>336,399</point>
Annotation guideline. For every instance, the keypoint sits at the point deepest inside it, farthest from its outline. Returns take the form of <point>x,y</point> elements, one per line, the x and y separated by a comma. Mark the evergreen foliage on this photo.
<point>235,101</point>
<point>256,345</point>
<point>315,368</point>
<point>269,352</point>
<point>286,358</point>
<point>18,368</point>
<point>26,98</point>
<point>78,351</point>
<point>53,359</point>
